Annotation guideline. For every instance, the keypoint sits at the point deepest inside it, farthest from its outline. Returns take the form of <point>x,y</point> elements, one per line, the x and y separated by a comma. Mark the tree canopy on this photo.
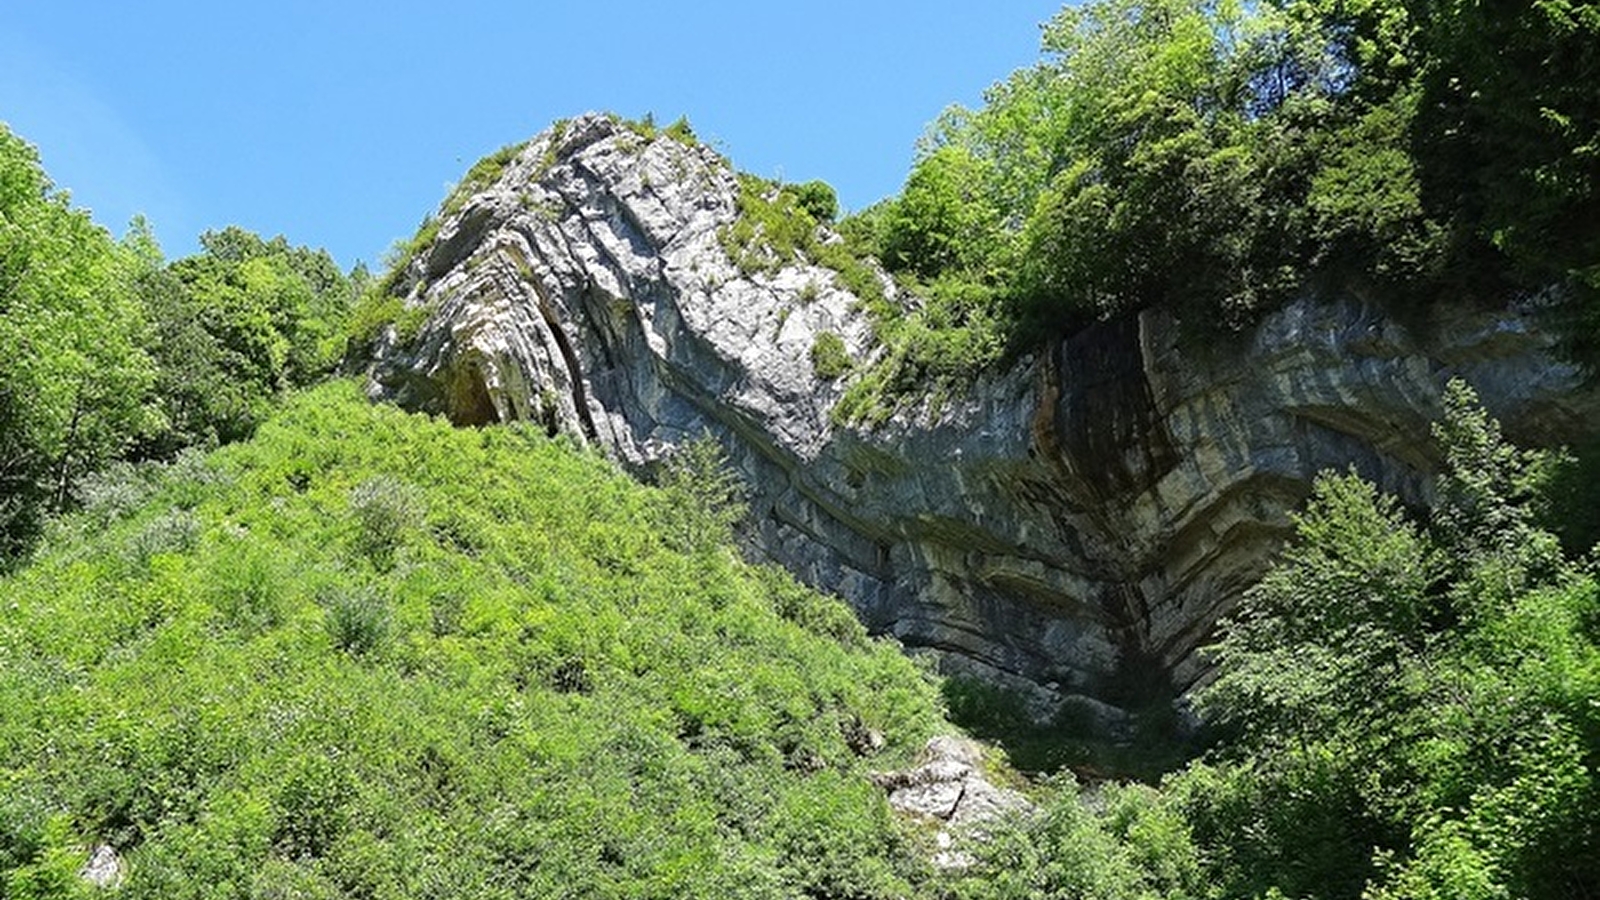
<point>107,351</point>
<point>74,373</point>
<point>1217,156</point>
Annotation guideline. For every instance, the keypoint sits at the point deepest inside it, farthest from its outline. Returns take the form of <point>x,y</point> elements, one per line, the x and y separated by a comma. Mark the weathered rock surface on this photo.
<point>1073,525</point>
<point>104,868</point>
<point>949,787</point>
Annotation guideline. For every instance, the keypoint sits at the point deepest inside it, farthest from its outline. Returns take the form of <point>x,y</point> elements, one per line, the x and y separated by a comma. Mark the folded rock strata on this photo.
<point>1072,526</point>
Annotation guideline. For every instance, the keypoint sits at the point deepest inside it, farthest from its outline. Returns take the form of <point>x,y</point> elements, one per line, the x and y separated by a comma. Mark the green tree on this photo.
<point>233,326</point>
<point>1510,128</point>
<point>944,219</point>
<point>1334,629</point>
<point>1433,685</point>
<point>74,378</point>
<point>1216,156</point>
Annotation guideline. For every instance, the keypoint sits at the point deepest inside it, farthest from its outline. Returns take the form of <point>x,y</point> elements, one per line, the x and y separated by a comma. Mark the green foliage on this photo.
<point>829,356</point>
<point>484,173</point>
<point>1423,685</point>
<point>779,224</point>
<point>647,129</point>
<point>53,875</point>
<point>386,512</point>
<point>74,373</point>
<point>773,229</point>
<point>1365,203</point>
<point>818,199</point>
<point>1133,166</point>
<point>1335,629</point>
<point>703,497</point>
<point>1134,847</point>
<point>233,326</point>
<point>357,619</point>
<point>943,221</point>
<point>1215,158</point>
<point>1513,132</point>
<point>682,132</point>
<point>558,683</point>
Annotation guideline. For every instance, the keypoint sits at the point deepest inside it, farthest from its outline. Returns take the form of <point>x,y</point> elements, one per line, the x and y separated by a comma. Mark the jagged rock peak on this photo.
<point>1071,527</point>
<point>601,246</point>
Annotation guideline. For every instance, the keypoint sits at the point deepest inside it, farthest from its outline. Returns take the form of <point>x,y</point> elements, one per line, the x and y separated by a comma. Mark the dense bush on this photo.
<point>234,325</point>
<point>388,658</point>
<point>1216,158</point>
<point>1405,709</point>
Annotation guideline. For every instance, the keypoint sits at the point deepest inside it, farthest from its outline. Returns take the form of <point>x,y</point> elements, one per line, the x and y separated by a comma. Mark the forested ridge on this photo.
<point>262,638</point>
<point>1219,158</point>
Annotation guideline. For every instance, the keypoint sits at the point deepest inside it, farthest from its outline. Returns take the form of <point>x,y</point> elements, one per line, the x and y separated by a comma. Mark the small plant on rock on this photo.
<point>829,356</point>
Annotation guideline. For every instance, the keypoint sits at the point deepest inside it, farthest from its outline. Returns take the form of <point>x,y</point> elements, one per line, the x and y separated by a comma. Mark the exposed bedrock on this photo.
<point>1074,524</point>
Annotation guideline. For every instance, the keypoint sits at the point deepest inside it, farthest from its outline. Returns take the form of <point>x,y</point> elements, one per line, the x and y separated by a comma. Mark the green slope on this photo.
<point>365,654</point>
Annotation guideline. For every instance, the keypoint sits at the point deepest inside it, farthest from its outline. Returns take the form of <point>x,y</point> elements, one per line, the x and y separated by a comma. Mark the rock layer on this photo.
<point>1073,525</point>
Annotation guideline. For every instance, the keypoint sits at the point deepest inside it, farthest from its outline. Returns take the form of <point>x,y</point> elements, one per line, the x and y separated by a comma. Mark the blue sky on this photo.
<point>340,124</point>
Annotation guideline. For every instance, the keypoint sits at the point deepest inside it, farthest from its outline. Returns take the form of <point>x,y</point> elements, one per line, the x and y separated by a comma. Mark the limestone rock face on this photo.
<point>1073,525</point>
<point>104,868</point>
<point>949,788</point>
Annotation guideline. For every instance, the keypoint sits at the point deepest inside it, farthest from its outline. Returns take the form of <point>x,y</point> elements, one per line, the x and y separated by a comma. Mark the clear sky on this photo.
<point>340,124</point>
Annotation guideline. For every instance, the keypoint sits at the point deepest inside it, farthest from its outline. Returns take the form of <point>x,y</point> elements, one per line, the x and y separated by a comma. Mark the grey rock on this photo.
<point>936,799</point>
<point>949,785</point>
<point>104,869</point>
<point>1074,524</point>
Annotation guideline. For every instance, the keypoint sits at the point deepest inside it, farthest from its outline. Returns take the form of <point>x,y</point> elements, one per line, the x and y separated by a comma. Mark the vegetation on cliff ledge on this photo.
<point>1219,157</point>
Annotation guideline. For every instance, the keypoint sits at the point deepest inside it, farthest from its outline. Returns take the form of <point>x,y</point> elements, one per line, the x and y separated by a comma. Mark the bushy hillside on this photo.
<point>365,654</point>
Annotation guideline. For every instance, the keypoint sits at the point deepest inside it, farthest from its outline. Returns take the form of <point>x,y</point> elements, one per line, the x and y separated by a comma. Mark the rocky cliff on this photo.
<point>1073,525</point>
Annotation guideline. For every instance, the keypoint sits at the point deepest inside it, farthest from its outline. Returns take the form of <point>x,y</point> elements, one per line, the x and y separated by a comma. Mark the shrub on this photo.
<point>358,619</point>
<point>702,497</point>
<point>681,132</point>
<point>829,356</point>
<point>247,590</point>
<point>172,532</point>
<point>386,511</point>
<point>818,199</point>
<point>115,492</point>
<point>483,173</point>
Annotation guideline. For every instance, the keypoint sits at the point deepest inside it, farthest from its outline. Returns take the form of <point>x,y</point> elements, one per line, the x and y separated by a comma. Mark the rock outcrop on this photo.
<point>1073,525</point>
<point>948,785</point>
<point>950,789</point>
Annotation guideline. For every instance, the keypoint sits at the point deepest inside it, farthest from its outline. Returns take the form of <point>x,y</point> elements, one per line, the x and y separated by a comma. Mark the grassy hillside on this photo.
<point>368,655</point>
